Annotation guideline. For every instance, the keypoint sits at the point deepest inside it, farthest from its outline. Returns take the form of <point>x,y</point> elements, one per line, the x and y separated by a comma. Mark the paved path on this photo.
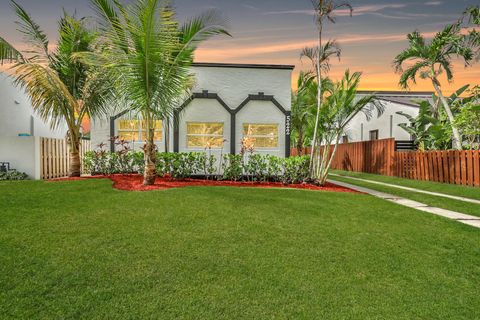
<point>460,217</point>
<point>411,189</point>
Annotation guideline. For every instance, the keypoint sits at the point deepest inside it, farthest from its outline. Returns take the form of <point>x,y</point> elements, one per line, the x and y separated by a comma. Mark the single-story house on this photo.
<point>229,103</point>
<point>387,125</point>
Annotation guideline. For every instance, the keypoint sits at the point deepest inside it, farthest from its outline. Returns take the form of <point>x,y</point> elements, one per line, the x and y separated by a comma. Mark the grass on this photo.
<point>81,249</point>
<point>435,201</point>
<point>451,189</point>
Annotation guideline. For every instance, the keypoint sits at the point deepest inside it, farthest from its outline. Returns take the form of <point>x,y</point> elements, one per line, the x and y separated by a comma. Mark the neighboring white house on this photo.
<point>16,114</point>
<point>229,102</point>
<point>386,126</point>
<point>20,129</point>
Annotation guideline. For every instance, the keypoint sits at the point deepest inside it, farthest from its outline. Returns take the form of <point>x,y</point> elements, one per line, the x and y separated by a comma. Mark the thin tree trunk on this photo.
<point>150,151</point>
<point>74,155</point>
<point>319,103</point>
<point>457,139</point>
<point>326,170</point>
<point>300,143</point>
<point>167,135</point>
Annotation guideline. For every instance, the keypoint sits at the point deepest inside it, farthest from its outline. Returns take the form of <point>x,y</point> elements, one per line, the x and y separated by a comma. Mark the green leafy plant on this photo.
<point>296,170</point>
<point>232,166</point>
<point>13,175</point>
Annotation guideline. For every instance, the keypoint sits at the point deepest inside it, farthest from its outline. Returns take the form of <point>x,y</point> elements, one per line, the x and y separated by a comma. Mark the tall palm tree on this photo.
<point>304,105</point>
<point>473,14</point>
<point>340,107</point>
<point>301,109</point>
<point>150,55</point>
<point>61,90</point>
<point>429,60</point>
<point>324,11</point>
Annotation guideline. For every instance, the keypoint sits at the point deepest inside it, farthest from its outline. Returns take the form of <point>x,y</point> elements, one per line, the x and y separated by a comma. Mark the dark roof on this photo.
<point>397,93</point>
<point>240,65</point>
<point>408,98</point>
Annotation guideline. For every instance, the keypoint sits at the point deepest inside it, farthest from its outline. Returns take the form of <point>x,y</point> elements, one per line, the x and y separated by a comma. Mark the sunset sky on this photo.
<point>275,31</point>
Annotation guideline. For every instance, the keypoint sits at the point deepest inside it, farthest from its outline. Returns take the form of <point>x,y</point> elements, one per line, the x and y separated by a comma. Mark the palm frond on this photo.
<point>110,20</point>
<point>32,34</point>
<point>411,73</point>
<point>8,53</point>
<point>50,98</point>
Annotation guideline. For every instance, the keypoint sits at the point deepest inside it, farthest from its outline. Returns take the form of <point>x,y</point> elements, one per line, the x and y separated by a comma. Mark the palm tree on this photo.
<point>304,102</point>
<point>150,55</point>
<point>429,60</point>
<point>324,10</point>
<point>301,109</point>
<point>473,14</point>
<point>61,90</point>
<point>340,107</point>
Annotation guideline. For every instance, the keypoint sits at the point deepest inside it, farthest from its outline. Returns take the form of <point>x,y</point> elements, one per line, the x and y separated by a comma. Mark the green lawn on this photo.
<point>71,250</point>
<point>441,202</point>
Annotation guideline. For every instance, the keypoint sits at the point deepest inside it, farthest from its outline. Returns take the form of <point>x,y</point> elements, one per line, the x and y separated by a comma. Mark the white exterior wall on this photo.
<point>23,154</point>
<point>386,124</point>
<point>204,110</point>
<point>233,85</point>
<point>17,116</point>
<point>262,112</point>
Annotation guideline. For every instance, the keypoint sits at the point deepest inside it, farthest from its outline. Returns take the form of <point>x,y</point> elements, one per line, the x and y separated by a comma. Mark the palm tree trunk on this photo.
<point>74,157</point>
<point>319,104</point>
<point>150,151</point>
<point>300,143</point>
<point>457,139</point>
<point>326,169</point>
<point>166,125</point>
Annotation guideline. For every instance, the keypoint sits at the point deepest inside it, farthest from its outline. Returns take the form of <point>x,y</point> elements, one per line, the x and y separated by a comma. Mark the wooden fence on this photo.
<point>380,157</point>
<point>54,157</point>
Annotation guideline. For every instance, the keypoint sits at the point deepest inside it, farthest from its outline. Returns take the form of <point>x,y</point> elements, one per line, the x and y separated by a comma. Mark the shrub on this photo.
<point>232,167</point>
<point>235,167</point>
<point>295,170</point>
<point>256,167</point>
<point>274,167</point>
<point>13,175</point>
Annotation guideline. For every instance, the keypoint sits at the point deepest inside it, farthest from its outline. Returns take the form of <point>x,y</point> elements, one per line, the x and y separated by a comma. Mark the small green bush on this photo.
<point>232,167</point>
<point>13,175</point>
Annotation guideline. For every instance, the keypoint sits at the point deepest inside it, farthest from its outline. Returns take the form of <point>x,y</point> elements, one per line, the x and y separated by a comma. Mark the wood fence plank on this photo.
<point>469,177</point>
<point>445,166</point>
<point>476,168</point>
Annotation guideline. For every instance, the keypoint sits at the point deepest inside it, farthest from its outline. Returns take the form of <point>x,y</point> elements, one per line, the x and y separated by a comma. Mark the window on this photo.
<point>373,135</point>
<point>262,135</point>
<point>205,134</point>
<point>135,130</point>
<point>345,139</point>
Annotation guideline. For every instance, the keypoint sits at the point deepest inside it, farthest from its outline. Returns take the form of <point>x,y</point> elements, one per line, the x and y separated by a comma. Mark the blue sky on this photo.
<point>274,31</point>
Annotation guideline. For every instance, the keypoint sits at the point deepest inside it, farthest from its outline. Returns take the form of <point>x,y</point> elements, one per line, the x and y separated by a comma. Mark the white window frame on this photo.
<point>203,135</point>
<point>140,130</point>
<point>263,136</point>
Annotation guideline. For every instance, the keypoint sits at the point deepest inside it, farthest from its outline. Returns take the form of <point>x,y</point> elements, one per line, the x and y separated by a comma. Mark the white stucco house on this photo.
<point>21,129</point>
<point>387,125</point>
<point>229,102</point>
<point>17,117</point>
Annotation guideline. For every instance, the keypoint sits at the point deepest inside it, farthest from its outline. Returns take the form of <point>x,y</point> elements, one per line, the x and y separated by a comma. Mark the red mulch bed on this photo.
<point>134,182</point>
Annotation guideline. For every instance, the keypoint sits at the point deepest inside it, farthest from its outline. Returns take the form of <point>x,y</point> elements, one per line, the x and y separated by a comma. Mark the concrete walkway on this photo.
<point>411,189</point>
<point>460,217</point>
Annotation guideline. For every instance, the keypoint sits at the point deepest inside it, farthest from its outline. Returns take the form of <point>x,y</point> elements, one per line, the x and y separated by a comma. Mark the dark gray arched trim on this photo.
<point>262,97</point>
<point>112,129</point>
<point>204,95</point>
